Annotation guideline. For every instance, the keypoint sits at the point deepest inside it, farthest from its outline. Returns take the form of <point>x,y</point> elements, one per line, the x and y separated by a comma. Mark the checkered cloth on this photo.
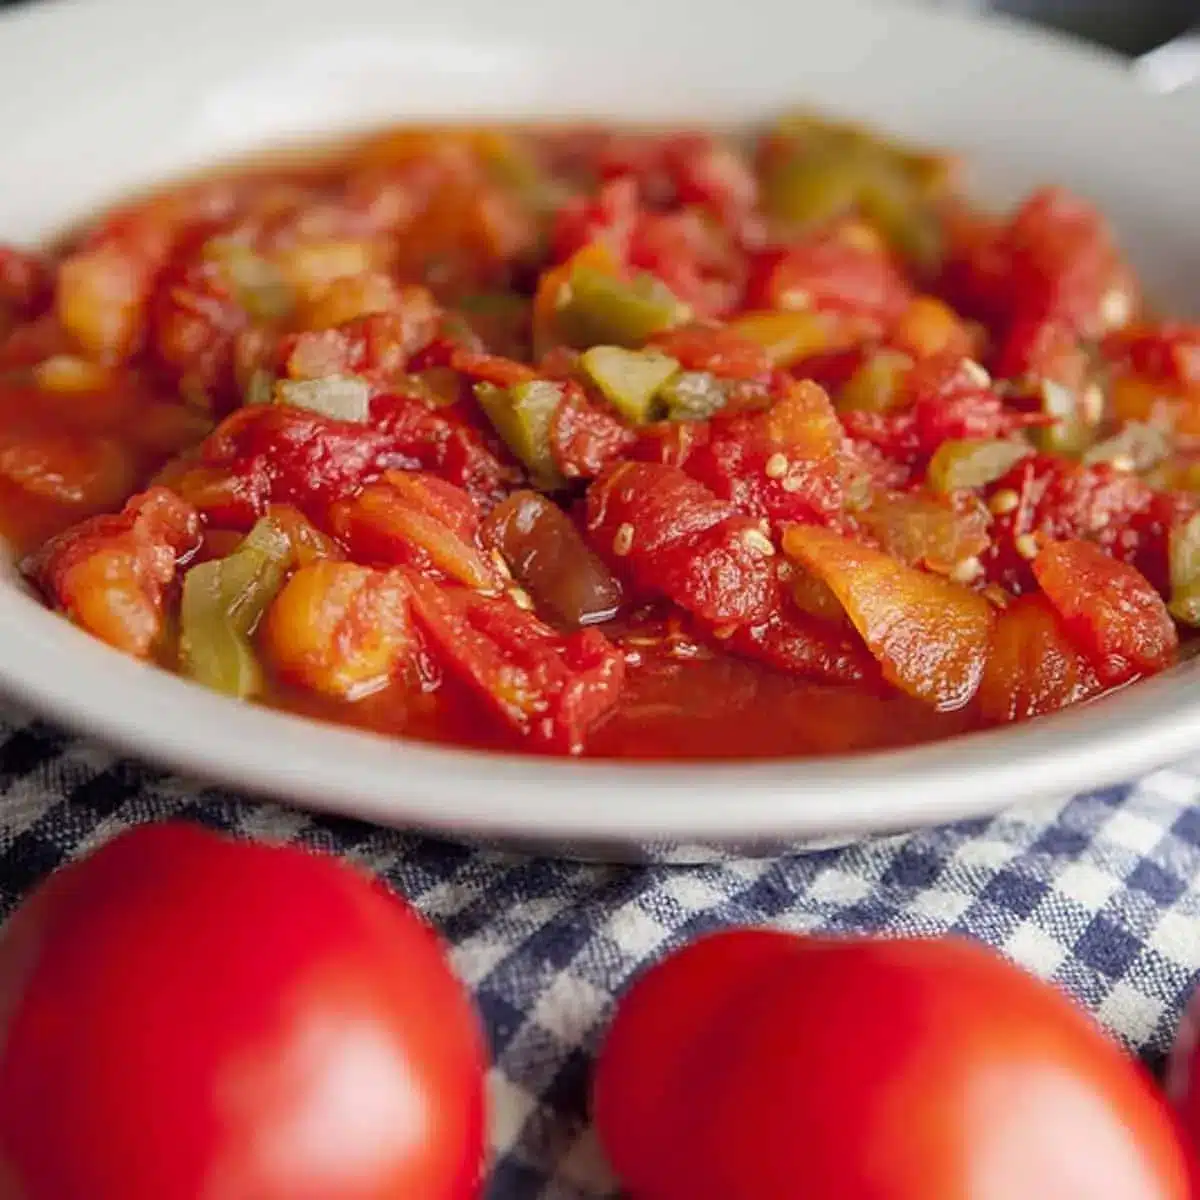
<point>1101,894</point>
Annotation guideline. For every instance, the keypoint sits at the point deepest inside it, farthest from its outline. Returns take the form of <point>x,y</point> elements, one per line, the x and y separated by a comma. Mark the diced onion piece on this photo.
<point>1137,447</point>
<point>629,379</point>
<point>973,463</point>
<point>522,415</point>
<point>341,397</point>
<point>1071,431</point>
<point>1184,554</point>
<point>260,388</point>
<point>693,396</point>
<point>261,287</point>
<point>550,560</point>
<point>929,634</point>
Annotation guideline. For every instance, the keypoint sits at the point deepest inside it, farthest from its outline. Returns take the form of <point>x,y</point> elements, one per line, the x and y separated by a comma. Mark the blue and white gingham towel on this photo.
<point>1101,894</point>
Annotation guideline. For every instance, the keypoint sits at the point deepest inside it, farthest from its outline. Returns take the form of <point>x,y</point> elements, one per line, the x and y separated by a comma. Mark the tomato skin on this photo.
<point>1182,1077</point>
<point>754,1064</point>
<point>585,438</point>
<point>830,273</point>
<point>1033,667</point>
<point>187,1015</point>
<point>1115,616</point>
<point>672,536</point>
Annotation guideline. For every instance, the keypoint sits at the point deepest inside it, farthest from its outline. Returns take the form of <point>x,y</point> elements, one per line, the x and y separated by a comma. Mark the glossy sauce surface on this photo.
<point>823,525</point>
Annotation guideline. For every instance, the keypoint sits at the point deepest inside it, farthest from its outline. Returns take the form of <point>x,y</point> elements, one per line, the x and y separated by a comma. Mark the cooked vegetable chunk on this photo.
<point>587,440</point>
<point>340,628</point>
<point>110,574</point>
<point>930,635</point>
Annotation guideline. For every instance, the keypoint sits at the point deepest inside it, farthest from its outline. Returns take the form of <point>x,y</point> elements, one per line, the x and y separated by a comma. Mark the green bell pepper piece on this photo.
<point>522,416</point>
<point>629,379</point>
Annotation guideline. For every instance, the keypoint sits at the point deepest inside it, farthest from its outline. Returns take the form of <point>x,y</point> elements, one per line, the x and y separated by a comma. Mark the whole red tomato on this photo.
<point>188,1017</point>
<point>1183,1072</point>
<point>755,1064</point>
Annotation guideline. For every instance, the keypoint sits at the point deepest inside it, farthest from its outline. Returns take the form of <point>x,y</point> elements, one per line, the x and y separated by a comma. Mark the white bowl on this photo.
<point>97,98</point>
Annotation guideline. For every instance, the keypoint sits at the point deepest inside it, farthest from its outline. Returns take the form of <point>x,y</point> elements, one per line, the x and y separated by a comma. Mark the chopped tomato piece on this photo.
<point>717,349</point>
<point>1167,352</point>
<point>1052,264</point>
<point>585,438</point>
<point>686,168</point>
<point>952,398</point>
<point>491,368</point>
<point>416,519</point>
<point>722,574</point>
<point>551,689</point>
<point>930,635</point>
<point>26,286</point>
<point>1044,499</point>
<point>1111,611</point>
<point>376,346</point>
<point>829,272</point>
<point>265,454</point>
<point>975,266</point>
<point>109,574</point>
<point>707,172</point>
<point>340,628</point>
<point>446,441</point>
<point>671,443</point>
<point>671,536</point>
<point>783,463</point>
<point>195,319</point>
<point>1037,348</point>
<point>806,646</point>
<point>699,261</point>
<point>1033,667</point>
<point>1063,264</point>
<point>84,472</point>
<point>605,220</point>
<point>944,398</point>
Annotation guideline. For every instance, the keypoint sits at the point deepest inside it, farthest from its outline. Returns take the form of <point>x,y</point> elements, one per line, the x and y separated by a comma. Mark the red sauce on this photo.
<point>827,457</point>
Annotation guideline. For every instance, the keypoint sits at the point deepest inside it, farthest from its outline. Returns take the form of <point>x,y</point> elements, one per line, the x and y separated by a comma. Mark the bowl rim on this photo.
<point>57,670</point>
